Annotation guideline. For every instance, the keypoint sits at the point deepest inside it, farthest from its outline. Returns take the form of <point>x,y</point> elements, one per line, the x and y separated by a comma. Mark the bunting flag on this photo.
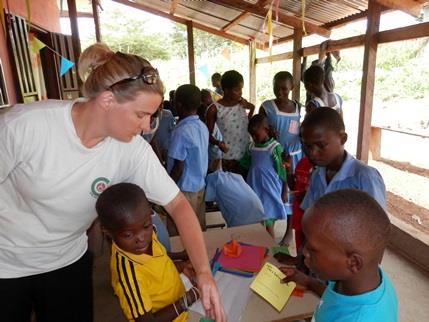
<point>36,45</point>
<point>65,65</point>
<point>204,69</point>
<point>226,52</point>
<point>270,29</point>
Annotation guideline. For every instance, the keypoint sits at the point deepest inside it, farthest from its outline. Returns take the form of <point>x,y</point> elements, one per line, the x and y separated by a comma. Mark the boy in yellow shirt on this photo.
<point>144,278</point>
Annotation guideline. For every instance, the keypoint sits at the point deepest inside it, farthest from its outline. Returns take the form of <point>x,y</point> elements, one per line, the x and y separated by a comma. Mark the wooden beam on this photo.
<point>173,6</point>
<point>273,58</point>
<point>236,20</point>
<point>80,14</point>
<point>343,21</point>
<point>296,65</point>
<point>242,16</point>
<point>368,77</point>
<point>96,20</point>
<point>413,7</point>
<point>333,45</point>
<point>71,4</point>
<point>405,33</point>
<point>183,21</point>
<point>280,40</point>
<point>191,59</point>
<point>252,72</point>
<point>283,18</point>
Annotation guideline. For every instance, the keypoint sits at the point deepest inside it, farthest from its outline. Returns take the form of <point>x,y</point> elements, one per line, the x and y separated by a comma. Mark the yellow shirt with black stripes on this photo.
<point>145,283</point>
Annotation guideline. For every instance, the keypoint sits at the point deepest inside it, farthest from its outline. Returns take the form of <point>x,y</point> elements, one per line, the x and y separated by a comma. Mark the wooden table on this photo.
<point>257,309</point>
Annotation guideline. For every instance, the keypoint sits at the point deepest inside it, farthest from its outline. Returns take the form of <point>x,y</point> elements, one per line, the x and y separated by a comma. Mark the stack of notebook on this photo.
<point>247,261</point>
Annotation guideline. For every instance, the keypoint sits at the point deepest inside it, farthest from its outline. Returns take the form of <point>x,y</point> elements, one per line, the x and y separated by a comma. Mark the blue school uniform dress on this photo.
<point>189,143</point>
<point>214,152</point>
<point>237,202</point>
<point>353,174</point>
<point>266,176</point>
<point>167,123</point>
<point>287,125</point>
<point>377,305</point>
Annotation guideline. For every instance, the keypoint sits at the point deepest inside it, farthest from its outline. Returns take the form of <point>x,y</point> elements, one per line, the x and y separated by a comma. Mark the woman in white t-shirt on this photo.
<point>56,158</point>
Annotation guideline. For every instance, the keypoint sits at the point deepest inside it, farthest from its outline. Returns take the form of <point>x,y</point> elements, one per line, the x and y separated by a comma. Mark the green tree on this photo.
<point>205,44</point>
<point>128,35</point>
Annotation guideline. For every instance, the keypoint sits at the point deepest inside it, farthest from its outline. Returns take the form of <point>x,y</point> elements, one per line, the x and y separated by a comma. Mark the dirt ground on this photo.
<point>403,209</point>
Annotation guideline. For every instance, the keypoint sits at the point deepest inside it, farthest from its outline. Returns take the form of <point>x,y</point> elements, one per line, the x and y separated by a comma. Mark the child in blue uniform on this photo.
<point>237,202</point>
<point>266,172</point>
<point>323,137</point>
<point>187,155</point>
<point>167,122</point>
<point>284,116</point>
<point>347,232</point>
<point>215,138</point>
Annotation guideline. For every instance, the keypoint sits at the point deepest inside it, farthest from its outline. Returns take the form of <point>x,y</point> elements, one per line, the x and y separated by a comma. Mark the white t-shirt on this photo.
<point>49,183</point>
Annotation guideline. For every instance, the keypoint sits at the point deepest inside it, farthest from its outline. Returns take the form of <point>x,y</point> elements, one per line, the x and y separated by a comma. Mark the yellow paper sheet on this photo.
<point>268,285</point>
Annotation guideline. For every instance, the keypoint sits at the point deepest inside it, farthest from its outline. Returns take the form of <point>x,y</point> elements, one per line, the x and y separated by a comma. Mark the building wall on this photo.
<point>45,14</point>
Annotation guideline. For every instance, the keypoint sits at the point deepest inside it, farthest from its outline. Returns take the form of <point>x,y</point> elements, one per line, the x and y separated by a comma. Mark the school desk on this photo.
<point>257,309</point>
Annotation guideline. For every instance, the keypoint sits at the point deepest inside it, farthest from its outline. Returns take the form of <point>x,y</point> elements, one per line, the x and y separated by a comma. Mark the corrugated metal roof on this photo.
<point>215,15</point>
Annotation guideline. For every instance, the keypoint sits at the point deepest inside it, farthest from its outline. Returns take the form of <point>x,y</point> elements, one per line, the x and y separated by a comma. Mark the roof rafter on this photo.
<point>180,20</point>
<point>242,16</point>
<point>283,18</point>
<point>412,7</point>
<point>173,6</point>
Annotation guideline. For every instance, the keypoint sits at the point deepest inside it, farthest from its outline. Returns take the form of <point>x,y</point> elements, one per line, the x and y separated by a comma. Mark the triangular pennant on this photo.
<point>36,45</point>
<point>65,65</point>
<point>204,69</point>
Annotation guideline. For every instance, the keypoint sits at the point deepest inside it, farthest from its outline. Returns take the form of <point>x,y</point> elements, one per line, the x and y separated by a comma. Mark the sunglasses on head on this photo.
<point>148,75</point>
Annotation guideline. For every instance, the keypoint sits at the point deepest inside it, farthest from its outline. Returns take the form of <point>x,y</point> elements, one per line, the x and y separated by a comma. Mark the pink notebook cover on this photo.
<point>250,260</point>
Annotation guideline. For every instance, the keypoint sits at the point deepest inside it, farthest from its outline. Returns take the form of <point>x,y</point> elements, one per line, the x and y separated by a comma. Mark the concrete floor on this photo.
<point>411,283</point>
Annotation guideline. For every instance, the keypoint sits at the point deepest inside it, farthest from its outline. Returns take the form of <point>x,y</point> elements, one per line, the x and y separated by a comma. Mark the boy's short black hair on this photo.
<point>282,76</point>
<point>231,79</point>
<point>216,76</point>
<point>189,96</point>
<point>256,122</point>
<point>355,219</point>
<point>326,117</point>
<point>205,93</point>
<point>314,75</point>
<point>118,201</point>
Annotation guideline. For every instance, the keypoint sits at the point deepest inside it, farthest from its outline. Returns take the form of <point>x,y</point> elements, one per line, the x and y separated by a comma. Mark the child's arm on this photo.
<point>248,106</point>
<point>294,275</point>
<point>310,107</point>
<point>177,170</point>
<point>178,256</point>
<point>172,311</point>
<point>211,118</point>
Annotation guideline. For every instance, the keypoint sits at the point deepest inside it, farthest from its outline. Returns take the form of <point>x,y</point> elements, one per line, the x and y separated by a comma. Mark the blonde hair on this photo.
<point>100,68</point>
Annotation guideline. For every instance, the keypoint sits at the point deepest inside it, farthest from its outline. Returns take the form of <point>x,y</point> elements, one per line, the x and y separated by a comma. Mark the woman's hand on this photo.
<point>210,297</point>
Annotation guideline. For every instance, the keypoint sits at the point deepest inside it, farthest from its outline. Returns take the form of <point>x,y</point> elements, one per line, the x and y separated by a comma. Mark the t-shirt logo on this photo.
<point>98,186</point>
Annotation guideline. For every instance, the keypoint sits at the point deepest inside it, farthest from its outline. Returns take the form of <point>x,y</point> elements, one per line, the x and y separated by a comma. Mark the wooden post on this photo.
<point>375,143</point>
<point>191,60</point>
<point>296,65</point>
<point>252,72</point>
<point>368,76</point>
<point>96,20</point>
<point>74,28</point>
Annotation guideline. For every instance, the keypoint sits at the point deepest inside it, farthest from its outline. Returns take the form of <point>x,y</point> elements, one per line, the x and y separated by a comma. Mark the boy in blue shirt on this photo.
<point>323,137</point>
<point>346,234</point>
<point>187,154</point>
